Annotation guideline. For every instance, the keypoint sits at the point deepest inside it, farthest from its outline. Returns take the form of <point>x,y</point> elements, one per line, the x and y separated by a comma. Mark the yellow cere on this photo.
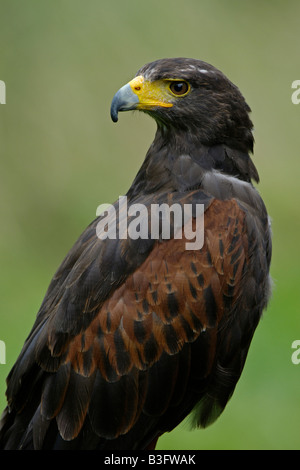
<point>151,94</point>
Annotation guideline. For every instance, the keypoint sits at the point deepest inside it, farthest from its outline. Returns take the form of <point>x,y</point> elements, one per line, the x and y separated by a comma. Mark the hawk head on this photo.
<point>189,96</point>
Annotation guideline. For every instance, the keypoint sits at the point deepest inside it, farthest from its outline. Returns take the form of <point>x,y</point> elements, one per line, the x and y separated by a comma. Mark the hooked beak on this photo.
<point>139,93</point>
<point>124,100</point>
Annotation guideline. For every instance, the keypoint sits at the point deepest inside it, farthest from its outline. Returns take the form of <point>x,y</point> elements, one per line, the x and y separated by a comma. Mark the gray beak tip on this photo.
<point>114,115</point>
<point>124,100</point>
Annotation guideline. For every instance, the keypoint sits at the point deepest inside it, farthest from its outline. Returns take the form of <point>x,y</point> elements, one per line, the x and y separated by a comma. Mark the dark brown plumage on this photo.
<point>134,334</point>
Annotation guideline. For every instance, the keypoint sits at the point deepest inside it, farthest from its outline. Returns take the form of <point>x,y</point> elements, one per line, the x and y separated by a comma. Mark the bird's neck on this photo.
<point>178,160</point>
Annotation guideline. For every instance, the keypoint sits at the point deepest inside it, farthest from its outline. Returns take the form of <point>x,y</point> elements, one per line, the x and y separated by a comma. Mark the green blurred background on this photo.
<point>61,156</point>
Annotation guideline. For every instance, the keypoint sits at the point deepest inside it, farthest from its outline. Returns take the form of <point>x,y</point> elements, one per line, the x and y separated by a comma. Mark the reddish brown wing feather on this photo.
<point>174,296</point>
<point>172,288</point>
<point>151,346</point>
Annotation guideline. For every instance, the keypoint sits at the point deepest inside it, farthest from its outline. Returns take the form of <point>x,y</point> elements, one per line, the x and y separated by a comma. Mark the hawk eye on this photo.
<point>179,88</point>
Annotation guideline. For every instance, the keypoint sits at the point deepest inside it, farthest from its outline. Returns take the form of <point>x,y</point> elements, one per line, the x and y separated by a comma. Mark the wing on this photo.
<point>135,334</point>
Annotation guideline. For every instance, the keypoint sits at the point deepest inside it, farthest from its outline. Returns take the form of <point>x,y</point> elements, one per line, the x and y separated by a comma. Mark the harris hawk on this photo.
<point>136,333</point>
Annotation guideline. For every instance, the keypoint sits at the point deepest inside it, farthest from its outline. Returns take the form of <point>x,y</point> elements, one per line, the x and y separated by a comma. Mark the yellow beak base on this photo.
<point>150,94</point>
<point>142,94</point>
